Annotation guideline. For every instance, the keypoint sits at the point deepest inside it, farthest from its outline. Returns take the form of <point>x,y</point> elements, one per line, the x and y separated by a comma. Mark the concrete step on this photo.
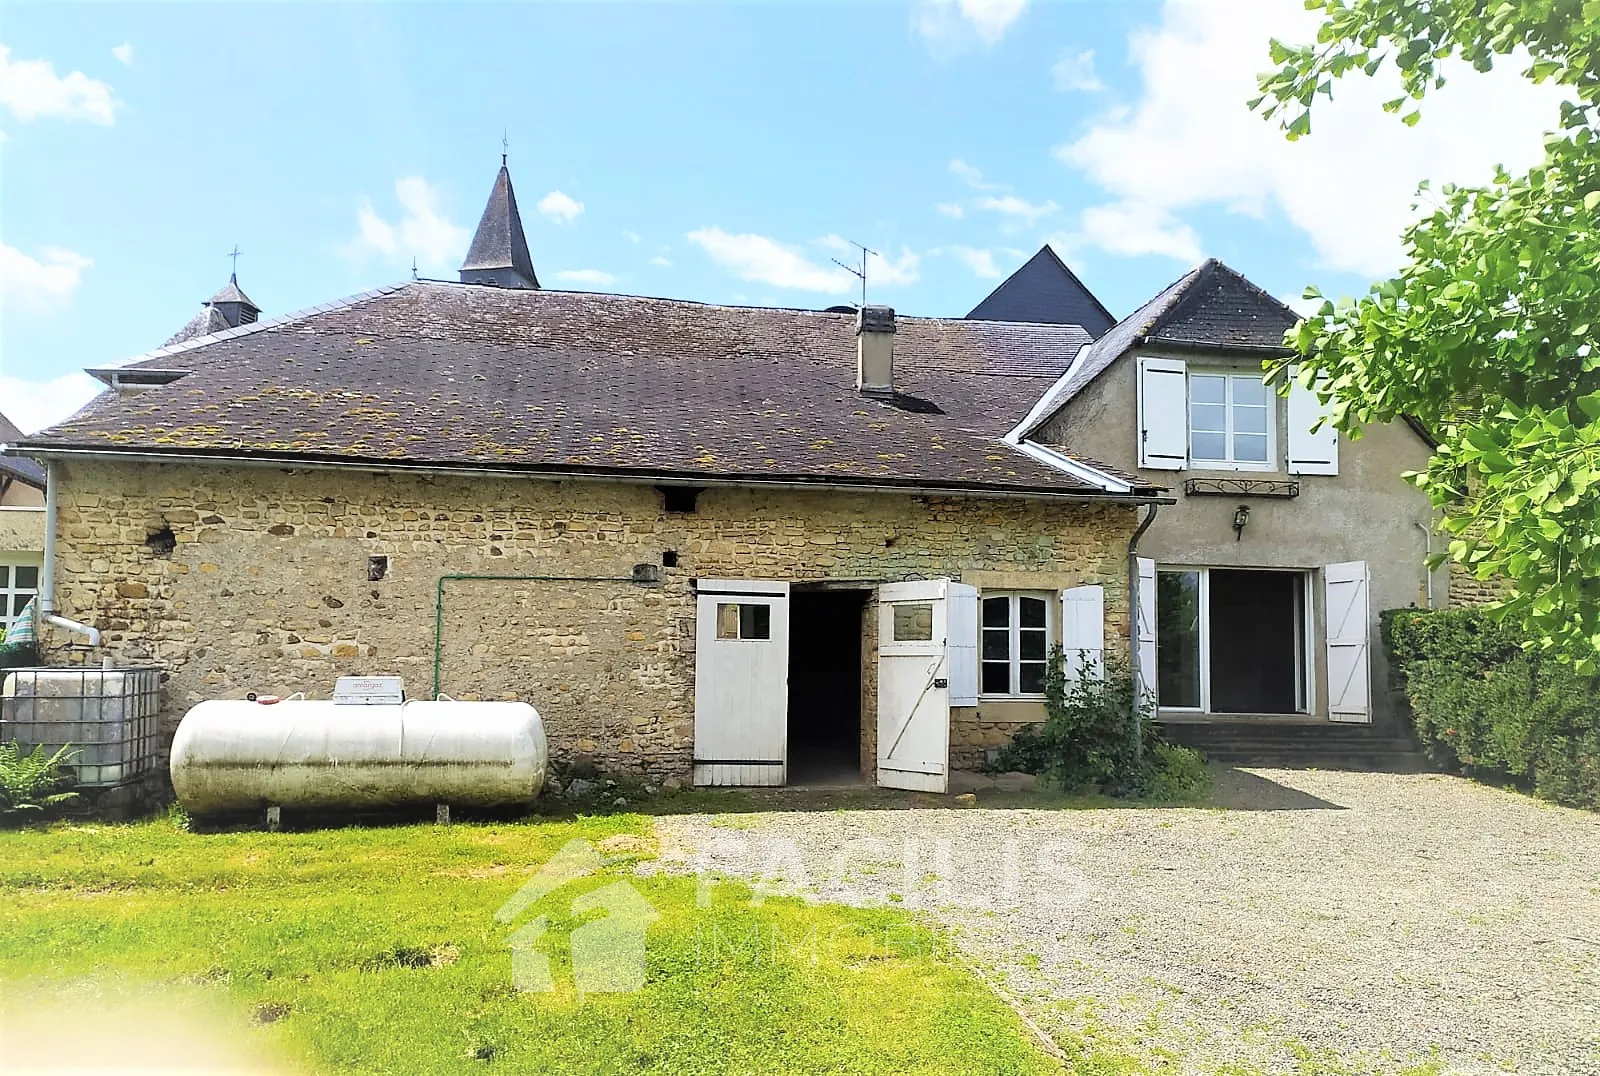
<point>1344,747</point>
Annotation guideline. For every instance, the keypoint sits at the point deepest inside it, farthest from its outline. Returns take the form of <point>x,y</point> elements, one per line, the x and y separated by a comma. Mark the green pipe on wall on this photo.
<point>639,578</point>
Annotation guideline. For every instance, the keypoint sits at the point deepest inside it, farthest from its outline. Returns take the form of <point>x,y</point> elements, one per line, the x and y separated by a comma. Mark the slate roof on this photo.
<point>499,242</point>
<point>230,293</point>
<point>208,321</point>
<point>559,382</point>
<point>1211,308</point>
<point>29,471</point>
<point>1045,290</point>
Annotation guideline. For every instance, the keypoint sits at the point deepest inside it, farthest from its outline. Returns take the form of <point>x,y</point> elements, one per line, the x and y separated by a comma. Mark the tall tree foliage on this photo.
<point>1489,334</point>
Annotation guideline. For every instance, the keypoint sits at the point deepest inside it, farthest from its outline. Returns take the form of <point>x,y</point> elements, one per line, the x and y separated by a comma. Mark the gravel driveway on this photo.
<point>1373,918</point>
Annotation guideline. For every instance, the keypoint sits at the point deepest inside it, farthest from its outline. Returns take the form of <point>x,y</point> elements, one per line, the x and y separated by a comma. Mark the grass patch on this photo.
<point>376,950</point>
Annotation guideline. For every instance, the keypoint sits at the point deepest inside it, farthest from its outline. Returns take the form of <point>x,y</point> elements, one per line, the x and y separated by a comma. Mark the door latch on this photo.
<point>941,682</point>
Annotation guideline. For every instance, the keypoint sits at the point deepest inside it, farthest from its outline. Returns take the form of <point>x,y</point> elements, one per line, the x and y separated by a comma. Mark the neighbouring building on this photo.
<point>22,485</point>
<point>734,544</point>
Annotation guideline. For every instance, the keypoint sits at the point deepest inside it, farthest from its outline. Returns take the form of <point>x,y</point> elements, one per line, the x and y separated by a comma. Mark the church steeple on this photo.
<point>499,252</point>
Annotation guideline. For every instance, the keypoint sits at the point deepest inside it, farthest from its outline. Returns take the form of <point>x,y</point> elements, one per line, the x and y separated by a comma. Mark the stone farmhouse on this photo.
<point>736,545</point>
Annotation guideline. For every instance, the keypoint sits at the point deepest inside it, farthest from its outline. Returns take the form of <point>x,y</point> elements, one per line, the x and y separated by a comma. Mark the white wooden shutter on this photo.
<point>1349,627</point>
<point>962,643</point>
<point>1145,660</point>
<point>1083,632</point>
<point>1310,453</point>
<point>1163,413</point>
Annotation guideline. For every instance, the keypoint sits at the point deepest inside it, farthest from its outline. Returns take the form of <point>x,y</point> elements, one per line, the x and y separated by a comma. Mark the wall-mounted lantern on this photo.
<point>1241,516</point>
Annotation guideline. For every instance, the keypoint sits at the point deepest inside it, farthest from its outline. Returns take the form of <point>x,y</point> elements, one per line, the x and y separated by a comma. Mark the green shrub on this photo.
<point>18,655</point>
<point>33,782</point>
<point>1483,703</point>
<point>1086,741</point>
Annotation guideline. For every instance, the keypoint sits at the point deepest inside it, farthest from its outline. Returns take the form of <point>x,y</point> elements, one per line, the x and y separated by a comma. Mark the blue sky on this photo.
<point>716,151</point>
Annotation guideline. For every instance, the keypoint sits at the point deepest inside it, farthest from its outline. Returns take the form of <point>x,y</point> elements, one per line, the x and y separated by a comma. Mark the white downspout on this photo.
<point>47,585</point>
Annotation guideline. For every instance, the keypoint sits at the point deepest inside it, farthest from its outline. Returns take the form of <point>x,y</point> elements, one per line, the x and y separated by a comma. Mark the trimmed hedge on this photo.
<point>1487,706</point>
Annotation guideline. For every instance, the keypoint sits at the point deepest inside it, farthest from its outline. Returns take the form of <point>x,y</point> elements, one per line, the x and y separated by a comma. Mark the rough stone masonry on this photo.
<point>261,579</point>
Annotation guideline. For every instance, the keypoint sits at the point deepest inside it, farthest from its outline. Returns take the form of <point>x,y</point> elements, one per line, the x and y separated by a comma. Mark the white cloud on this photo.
<point>1075,72</point>
<point>1017,209</point>
<point>950,27</point>
<point>561,208</point>
<point>767,261</point>
<point>124,54</point>
<point>422,232</point>
<point>973,177</point>
<point>1189,140</point>
<point>33,405</point>
<point>631,236</point>
<point>40,282</point>
<point>950,209</point>
<point>30,89</point>
<point>659,260</point>
<point>981,262</point>
<point>1133,228</point>
<point>597,278</point>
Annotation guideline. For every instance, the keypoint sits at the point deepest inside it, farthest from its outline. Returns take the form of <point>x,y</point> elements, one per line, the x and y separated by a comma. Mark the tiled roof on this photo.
<point>499,242</point>
<point>208,321</point>
<point>1045,290</point>
<point>230,293</point>
<point>30,471</point>
<point>1211,307</point>
<point>572,382</point>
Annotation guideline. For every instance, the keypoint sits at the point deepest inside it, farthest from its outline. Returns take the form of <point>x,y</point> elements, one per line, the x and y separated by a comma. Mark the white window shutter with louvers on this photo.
<point>962,642</point>
<point>1349,627</point>
<point>1163,413</point>
<point>1145,659</point>
<point>1310,453</point>
<point>1083,632</point>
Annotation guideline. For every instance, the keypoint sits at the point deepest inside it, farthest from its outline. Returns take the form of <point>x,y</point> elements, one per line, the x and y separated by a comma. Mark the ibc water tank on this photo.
<point>235,754</point>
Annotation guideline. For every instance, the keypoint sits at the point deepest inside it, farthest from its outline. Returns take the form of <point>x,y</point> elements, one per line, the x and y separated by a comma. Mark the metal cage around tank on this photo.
<point>107,718</point>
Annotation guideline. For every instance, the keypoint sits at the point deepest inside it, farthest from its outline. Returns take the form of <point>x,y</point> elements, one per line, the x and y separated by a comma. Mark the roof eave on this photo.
<point>1135,495</point>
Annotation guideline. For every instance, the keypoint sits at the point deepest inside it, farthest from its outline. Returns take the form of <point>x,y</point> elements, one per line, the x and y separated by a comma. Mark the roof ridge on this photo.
<point>168,350</point>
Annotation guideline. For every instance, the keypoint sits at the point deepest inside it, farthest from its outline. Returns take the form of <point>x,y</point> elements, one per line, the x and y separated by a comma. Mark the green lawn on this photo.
<point>376,950</point>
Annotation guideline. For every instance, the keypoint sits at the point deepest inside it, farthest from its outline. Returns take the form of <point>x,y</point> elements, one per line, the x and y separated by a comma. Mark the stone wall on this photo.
<point>1468,590</point>
<point>258,579</point>
<point>21,530</point>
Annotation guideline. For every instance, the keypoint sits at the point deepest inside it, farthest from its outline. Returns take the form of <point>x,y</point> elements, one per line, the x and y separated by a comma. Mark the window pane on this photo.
<point>996,612</point>
<point>1212,417</point>
<point>1250,447</point>
<point>18,601</point>
<point>996,678</point>
<point>1207,388</point>
<point>27,577</point>
<point>1178,638</point>
<point>1249,390</point>
<point>996,644</point>
<point>727,621</point>
<point>1250,419</point>
<point>755,621</point>
<point>1208,446</point>
<point>913,622</point>
<point>1032,677</point>
<point>1031,645</point>
<point>1030,612</point>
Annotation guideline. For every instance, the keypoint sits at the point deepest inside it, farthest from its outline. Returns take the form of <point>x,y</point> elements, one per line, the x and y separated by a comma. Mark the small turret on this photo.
<point>499,252</point>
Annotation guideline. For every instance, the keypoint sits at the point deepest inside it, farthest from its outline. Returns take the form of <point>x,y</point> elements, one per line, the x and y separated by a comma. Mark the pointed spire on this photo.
<point>499,252</point>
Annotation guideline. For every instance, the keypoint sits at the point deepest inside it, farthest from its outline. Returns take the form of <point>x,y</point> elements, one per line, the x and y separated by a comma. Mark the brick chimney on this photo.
<point>875,350</point>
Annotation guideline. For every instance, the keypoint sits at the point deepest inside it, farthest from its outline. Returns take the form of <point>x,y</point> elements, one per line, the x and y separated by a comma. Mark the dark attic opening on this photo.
<point>825,686</point>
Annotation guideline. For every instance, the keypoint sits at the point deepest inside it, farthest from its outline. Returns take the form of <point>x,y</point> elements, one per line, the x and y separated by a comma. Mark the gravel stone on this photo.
<point>1378,919</point>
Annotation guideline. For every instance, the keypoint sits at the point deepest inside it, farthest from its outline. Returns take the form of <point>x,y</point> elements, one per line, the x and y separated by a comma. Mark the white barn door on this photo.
<point>914,685</point>
<point>1347,608</point>
<point>741,682</point>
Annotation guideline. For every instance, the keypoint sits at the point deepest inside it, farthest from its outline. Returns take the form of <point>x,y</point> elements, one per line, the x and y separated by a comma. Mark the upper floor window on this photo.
<point>1230,420</point>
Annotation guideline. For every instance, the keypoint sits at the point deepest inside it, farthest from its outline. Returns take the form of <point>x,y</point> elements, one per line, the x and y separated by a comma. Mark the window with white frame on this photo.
<point>1016,643</point>
<point>1233,640</point>
<point>1230,420</point>
<point>18,585</point>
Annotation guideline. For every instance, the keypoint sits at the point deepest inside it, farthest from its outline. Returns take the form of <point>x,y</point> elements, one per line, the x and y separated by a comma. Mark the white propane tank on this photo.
<point>236,754</point>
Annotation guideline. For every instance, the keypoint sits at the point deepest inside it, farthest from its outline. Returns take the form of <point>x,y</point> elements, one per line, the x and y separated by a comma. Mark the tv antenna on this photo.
<point>857,272</point>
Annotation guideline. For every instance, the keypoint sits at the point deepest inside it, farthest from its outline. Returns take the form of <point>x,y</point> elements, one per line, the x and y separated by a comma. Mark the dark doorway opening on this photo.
<point>825,686</point>
<point>1257,642</point>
